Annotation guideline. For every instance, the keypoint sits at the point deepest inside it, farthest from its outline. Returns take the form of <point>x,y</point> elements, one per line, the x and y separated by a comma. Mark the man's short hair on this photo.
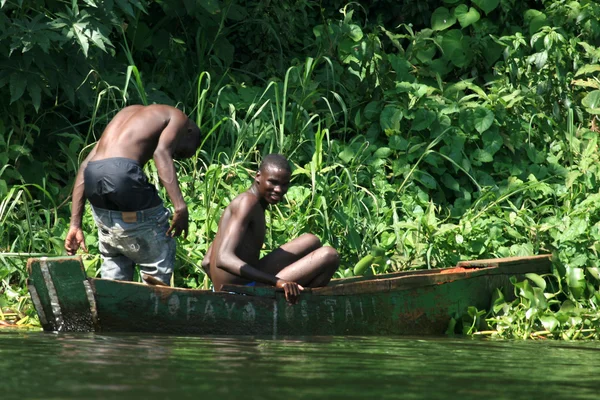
<point>277,161</point>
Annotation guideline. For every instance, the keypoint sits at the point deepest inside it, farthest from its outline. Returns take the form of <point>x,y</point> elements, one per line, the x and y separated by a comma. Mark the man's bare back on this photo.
<point>112,179</point>
<point>135,131</point>
<point>234,256</point>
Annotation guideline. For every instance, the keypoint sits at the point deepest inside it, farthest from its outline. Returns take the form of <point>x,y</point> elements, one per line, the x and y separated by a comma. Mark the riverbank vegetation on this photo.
<point>434,131</point>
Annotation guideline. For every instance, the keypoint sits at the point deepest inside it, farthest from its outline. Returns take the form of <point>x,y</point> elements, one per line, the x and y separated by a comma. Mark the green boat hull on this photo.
<point>418,302</point>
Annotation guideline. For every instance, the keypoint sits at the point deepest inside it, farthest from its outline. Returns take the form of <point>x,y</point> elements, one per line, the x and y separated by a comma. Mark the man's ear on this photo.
<point>257,177</point>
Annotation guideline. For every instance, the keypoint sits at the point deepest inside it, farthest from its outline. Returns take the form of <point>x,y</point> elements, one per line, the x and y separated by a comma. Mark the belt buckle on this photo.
<point>129,216</point>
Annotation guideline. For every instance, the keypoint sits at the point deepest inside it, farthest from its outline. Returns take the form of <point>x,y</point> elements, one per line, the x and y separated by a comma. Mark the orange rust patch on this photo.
<point>453,270</point>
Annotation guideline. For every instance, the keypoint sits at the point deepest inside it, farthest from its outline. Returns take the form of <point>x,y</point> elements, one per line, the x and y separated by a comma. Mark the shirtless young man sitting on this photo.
<point>234,255</point>
<point>133,224</point>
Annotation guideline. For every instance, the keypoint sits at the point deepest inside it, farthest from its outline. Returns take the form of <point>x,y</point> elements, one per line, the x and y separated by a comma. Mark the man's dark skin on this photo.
<point>234,255</point>
<point>140,133</point>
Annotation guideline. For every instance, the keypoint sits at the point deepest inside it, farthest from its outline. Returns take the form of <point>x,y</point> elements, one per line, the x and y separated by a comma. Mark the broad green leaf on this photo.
<point>538,280</point>
<point>224,50</point>
<point>594,271</point>
<point>592,102</point>
<point>423,119</point>
<point>588,69</point>
<point>580,260</point>
<point>466,16</point>
<point>390,118</point>
<point>487,6</point>
<point>98,40</point>
<point>425,179</point>
<point>429,219</point>
<point>492,141</point>
<point>212,6</point>
<point>576,229</point>
<point>466,120</point>
<point>549,322</point>
<point>451,183</point>
<point>482,156</point>
<point>456,47</point>
<point>319,31</point>
<point>539,59</point>
<point>347,155</point>
<point>372,110</point>
<point>536,20</point>
<point>484,118</point>
<point>17,86</point>
<point>354,32</point>
<point>442,19</point>
<point>35,92</point>
<point>426,54</point>
<point>575,280</point>
<point>388,239</point>
<point>491,50</point>
<point>397,142</point>
<point>126,7</point>
<point>402,67</point>
<point>568,307</point>
<point>382,152</point>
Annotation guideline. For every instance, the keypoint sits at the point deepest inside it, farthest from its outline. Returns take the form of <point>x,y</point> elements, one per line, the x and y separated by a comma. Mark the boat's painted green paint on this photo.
<point>64,293</point>
<point>410,303</point>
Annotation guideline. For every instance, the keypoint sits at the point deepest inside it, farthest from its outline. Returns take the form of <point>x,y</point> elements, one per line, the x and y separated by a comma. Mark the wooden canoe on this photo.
<point>420,302</point>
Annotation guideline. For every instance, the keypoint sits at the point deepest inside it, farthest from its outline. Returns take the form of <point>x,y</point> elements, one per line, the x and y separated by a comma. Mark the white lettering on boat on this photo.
<point>229,309</point>
<point>209,311</point>
<point>349,312</point>
<point>289,312</point>
<point>173,304</point>
<point>154,297</point>
<point>190,306</point>
<point>275,319</point>
<point>249,313</point>
<point>331,303</point>
<point>304,310</point>
<point>323,309</point>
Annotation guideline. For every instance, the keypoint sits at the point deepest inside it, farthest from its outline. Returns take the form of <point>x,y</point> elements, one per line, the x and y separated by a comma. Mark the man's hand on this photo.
<point>180,223</point>
<point>74,240</point>
<point>291,289</point>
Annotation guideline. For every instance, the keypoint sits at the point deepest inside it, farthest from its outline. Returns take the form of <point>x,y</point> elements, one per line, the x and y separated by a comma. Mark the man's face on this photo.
<point>273,183</point>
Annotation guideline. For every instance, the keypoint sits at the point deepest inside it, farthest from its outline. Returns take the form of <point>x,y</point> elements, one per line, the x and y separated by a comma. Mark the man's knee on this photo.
<point>311,241</point>
<point>330,257</point>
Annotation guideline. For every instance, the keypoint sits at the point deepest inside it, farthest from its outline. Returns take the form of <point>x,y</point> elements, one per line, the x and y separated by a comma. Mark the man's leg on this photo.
<point>155,250</point>
<point>303,260</point>
<point>115,265</point>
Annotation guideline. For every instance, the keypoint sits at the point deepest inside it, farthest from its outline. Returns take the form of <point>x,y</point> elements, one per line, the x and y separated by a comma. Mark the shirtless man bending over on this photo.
<point>133,224</point>
<point>234,256</point>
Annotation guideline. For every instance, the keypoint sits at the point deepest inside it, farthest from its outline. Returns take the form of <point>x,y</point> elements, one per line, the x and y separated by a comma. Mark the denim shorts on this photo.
<point>138,237</point>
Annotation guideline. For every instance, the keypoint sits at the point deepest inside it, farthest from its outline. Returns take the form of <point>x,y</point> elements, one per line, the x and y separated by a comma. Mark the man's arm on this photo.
<point>163,159</point>
<point>206,261</point>
<point>75,237</point>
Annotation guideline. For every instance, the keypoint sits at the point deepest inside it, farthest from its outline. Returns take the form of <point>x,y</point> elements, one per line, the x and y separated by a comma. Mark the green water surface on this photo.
<point>37,365</point>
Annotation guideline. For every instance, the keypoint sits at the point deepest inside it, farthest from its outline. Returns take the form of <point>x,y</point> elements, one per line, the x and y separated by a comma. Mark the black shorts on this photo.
<point>119,184</point>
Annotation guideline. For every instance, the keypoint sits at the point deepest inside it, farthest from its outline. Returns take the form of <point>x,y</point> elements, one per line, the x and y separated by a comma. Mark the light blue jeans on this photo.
<point>142,240</point>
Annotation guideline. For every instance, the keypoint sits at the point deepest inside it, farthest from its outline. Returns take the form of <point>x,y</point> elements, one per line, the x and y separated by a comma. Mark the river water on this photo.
<point>38,365</point>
